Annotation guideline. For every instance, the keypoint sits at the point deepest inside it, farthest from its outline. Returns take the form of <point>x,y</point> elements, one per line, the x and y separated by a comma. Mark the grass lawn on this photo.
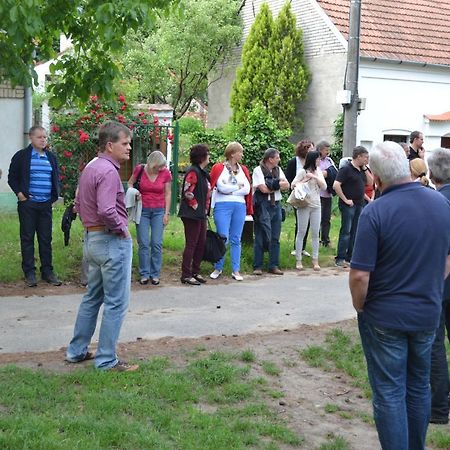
<point>67,260</point>
<point>213,401</point>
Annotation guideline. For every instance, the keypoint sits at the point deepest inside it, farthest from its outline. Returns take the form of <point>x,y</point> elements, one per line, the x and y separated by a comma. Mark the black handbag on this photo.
<point>139,176</point>
<point>214,246</point>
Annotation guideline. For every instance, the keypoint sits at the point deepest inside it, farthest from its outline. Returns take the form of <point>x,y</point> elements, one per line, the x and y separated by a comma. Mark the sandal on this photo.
<point>155,281</point>
<point>192,281</point>
<point>199,278</point>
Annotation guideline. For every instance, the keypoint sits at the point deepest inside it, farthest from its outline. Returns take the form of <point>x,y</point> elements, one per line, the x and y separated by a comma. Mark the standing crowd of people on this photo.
<point>399,287</point>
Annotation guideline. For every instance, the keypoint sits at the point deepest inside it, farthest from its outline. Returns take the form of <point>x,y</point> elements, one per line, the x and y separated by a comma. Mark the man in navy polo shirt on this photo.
<point>34,178</point>
<point>349,186</point>
<point>397,280</point>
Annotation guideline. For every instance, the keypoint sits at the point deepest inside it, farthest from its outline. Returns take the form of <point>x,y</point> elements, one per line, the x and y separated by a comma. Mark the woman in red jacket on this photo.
<point>231,202</point>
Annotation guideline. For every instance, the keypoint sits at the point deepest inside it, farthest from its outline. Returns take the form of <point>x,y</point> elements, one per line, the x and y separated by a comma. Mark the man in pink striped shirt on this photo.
<point>108,248</point>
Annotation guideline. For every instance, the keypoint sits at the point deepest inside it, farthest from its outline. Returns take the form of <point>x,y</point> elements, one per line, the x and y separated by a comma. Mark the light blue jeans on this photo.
<point>109,281</point>
<point>229,218</point>
<point>398,364</point>
<point>150,247</point>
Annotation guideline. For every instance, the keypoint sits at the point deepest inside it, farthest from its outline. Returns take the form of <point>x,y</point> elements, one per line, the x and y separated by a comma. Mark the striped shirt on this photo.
<point>40,177</point>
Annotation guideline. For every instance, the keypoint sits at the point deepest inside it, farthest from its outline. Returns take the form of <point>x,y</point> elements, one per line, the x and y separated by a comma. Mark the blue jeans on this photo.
<point>349,223</point>
<point>109,281</point>
<point>229,218</point>
<point>150,248</point>
<point>398,364</point>
<point>267,227</point>
<point>439,370</point>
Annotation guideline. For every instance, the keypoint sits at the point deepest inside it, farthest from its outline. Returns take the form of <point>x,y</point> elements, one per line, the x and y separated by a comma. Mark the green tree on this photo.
<point>30,28</point>
<point>273,71</point>
<point>253,77</point>
<point>290,74</point>
<point>338,135</point>
<point>172,64</point>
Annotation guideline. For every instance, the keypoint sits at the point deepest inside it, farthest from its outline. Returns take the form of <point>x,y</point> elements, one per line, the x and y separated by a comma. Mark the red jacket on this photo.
<point>215,174</point>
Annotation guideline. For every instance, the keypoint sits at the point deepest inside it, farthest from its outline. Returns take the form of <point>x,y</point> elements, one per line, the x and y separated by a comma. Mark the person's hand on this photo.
<point>21,197</point>
<point>165,219</point>
<point>138,196</point>
<point>349,203</point>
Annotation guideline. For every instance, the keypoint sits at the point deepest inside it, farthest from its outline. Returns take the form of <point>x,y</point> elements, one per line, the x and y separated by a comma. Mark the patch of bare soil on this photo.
<point>306,390</point>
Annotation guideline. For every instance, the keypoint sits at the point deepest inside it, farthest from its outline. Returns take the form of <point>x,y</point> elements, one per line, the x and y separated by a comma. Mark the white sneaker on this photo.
<point>305,253</point>
<point>237,276</point>
<point>216,274</point>
<point>293,253</point>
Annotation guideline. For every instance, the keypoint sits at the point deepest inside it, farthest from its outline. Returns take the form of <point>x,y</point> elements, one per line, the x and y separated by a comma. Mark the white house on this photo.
<point>404,68</point>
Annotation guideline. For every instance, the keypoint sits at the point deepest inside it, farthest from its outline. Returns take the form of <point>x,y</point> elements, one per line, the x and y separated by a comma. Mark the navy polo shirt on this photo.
<point>403,239</point>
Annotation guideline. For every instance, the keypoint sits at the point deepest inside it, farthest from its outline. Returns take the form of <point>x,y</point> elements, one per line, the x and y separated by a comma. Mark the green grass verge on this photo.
<point>67,260</point>
<point>211,403</point>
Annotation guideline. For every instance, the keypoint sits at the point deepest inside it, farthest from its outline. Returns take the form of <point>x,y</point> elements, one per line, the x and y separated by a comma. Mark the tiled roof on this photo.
<point>444,117</point>
<point>399,30</point>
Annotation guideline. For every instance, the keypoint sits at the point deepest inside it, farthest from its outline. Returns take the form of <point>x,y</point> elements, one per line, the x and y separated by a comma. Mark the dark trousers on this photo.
<point>195,235</point>
<point>325,203</point>
<point>439,380</point>
<point>305,239</point>
<point>347,233</point>
<point>36,218</point>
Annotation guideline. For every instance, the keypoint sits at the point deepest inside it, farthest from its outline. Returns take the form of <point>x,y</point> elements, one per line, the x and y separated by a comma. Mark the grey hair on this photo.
<point>321,145</point>
<point>156,159</point>
<point>439,164</point>
<point>270,153</point>
<point>388,161</point>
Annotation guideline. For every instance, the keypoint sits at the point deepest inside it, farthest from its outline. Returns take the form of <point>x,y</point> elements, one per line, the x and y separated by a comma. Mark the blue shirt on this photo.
<point>40,177</point>
<point>403,239</point>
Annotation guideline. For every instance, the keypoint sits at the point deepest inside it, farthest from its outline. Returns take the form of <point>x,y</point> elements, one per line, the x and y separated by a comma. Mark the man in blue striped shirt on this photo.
<point>34,178</point>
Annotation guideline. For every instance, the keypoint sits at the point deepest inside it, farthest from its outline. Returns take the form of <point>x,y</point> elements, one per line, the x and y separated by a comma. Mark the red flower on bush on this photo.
<point>55,128</point>
<point>62,177</point>
<point>93,98</point>
<point>145,121</point>
<point>141,114</point>
<point>83,136</point>
<point>67,154</point>
<point>122,98</point>
<point>121,119</point>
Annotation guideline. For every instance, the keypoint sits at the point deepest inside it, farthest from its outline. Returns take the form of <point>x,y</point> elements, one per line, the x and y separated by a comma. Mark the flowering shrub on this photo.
<point>74,135</point>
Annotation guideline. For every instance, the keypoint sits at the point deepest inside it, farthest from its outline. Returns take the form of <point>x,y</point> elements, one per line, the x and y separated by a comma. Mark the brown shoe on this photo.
<point>257,272</point>
<point>275,271</point>
<point>122,366</point>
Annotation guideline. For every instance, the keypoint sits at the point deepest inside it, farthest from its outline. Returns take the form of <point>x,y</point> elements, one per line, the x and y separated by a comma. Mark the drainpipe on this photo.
<point>27,113</point>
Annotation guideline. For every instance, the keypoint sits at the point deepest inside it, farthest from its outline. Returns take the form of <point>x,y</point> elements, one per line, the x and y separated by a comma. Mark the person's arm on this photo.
<point>167,198</point>
<point>131,181</point>
<point>189,186</point>
<point>337,186</point>
<point>284,183</point>
<point>359,283</point>
<point>447,267</point>
<point>259,182</point>
<point>320,180</point>
<point>14,176</point>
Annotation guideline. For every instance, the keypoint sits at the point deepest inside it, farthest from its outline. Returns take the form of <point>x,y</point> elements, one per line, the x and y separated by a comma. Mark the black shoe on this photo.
<point>439,420</point>
<point>51,279</point>
<point>191,281</point>
<point>30,279</point>
<point>199,278</point>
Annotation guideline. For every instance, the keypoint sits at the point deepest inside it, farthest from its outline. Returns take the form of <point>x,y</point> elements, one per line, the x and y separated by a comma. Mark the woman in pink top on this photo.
<point>154,185</point>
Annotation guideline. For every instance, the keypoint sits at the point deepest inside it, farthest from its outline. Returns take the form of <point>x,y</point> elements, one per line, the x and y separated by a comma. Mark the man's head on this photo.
<point>389,165</point>
<point>271,158</point>
<point>416,140</point>
<point>360,156</point>
<point>323,147</point>
<point>114,139</point>
<point>439,165</point>
<point>405,148</point>
<point>38,137</point>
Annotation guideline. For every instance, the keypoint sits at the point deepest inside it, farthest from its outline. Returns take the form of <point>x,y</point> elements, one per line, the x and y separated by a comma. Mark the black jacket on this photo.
<point>19,173</point>
<point>200,193</point>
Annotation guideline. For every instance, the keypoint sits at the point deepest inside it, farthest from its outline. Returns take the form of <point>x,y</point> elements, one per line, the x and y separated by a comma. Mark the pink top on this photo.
<point>153,192</point>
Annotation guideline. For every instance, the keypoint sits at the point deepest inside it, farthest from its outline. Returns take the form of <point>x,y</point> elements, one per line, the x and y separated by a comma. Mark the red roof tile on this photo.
<point>444,117</point>
<point>399,30</point>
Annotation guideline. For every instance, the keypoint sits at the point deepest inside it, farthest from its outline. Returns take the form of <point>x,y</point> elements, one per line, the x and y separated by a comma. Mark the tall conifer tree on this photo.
<point>273,71</point>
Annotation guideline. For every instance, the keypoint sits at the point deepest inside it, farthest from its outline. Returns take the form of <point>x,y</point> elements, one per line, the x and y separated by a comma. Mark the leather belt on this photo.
<point>96,228</point>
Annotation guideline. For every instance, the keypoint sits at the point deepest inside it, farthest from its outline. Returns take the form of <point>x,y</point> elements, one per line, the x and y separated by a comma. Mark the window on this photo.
<point>395,138</point>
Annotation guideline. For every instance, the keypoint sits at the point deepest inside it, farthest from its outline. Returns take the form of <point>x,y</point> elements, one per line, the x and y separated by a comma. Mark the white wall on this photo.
<point>398,97</point>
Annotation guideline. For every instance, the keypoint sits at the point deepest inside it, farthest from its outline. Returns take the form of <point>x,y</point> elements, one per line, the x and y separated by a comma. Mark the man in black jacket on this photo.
<point>34,178</point>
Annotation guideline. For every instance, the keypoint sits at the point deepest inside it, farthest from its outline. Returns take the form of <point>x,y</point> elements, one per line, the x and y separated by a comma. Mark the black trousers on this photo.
<point>325,203</point>
<point>36,218</point>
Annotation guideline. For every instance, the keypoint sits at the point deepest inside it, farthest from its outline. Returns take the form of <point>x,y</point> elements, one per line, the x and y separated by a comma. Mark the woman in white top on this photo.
<point>231,199</point>
<point>312,176</point>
